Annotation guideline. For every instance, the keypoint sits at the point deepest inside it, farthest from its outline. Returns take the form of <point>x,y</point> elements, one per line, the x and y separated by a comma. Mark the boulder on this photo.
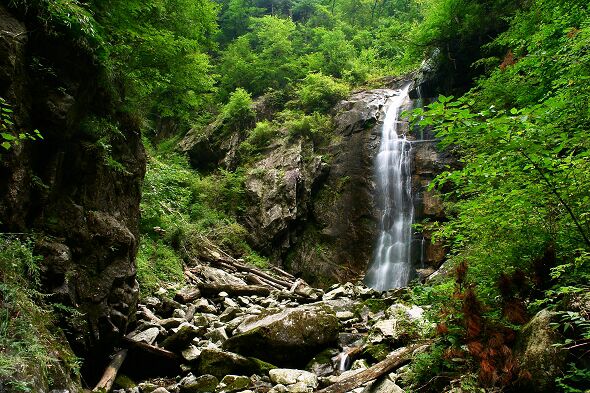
<point>287,376</point>
<point>289,338</point>
<point>222,363</point>
<point>535,352</point>
<point>182,337</point>
<point>233,383</point>
<point>202,384</point>
<point>147,336</point>
<point>383,385</point>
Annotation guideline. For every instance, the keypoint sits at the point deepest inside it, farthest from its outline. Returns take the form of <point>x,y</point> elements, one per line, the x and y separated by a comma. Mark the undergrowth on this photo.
<point>33,353</point>
<point>185,215</point>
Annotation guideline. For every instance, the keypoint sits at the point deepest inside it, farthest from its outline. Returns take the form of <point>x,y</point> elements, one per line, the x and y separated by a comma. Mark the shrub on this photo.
<point>238,112</point>
<point>319,92</point>
<point>258,139</point>
<point>316,126</point>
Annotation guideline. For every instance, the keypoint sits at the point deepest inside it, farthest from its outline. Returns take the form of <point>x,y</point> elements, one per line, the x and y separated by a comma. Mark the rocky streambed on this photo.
<point>219,334</point>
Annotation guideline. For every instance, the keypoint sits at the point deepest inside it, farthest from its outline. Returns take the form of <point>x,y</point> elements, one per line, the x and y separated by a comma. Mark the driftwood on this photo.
<point>252,279</point>
<point>225,261</point>
<point>236,290</point>
<point>392,362</point>
<point>108,378</point>
<point>150,349</point>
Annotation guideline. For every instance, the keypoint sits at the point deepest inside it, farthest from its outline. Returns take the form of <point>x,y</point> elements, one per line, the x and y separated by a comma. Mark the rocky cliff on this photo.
<point>312,208</point>
<point>77,191</point>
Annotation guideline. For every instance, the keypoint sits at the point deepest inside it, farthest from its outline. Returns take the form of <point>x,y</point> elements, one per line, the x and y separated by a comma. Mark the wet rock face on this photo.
<point>85,212</point>
<point>429,161</point>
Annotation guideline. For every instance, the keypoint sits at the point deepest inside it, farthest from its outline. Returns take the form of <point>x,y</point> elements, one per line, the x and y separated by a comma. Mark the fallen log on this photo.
<point>150,349</point>
<point>108,378</point>
<point>392,362</point>
<point>252,279</point>
<point>261,274</point>
<point>283,273</point>
<point>146,361</point>
<point>191,276</point>
<point>236,290</point>
<point>269,283</point>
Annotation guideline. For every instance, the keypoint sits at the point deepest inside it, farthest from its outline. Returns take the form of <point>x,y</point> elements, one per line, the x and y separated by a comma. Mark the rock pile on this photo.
<point>218,334</point>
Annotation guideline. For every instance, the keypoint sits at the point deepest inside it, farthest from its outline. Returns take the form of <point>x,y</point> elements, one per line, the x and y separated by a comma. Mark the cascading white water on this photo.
<point>392,264</point>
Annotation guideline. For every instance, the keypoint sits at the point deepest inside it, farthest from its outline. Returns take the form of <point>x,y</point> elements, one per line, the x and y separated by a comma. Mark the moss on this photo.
<point>324,357</point>
<point>377,352</point>
<point>124,382</point>
<point>376,305</point>
<point>261,367</point>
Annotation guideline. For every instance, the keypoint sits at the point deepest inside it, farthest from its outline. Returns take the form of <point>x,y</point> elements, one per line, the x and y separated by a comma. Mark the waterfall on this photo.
<point>392,261</point>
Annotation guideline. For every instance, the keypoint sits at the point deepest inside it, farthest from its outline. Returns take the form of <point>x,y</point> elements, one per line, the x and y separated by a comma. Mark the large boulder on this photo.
<point>536,353</point>
<point>288,338</point>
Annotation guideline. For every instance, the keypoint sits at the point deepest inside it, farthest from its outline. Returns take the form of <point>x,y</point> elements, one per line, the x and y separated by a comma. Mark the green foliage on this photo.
<point>157,265</point>
<point>318,92</point>
<point>315,127</point>
<point>238,113</point>
<point>67,18</point>
<point>314,37</point>
<point>258,139</point>
<point>182,213</point>
<point>29,342</point>
<point>428,365</point>
<point>575,380</point>
<point>9,135</point>
<point>519,201</point>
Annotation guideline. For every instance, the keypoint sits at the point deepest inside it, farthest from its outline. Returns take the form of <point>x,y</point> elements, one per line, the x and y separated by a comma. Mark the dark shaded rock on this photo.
<point>202,384</point>
<point>167,306</point>
<point>535,352</point>
<point>63,188</point>
<point>222,363</point>
<point>289,338</point>
<point>182,337</point>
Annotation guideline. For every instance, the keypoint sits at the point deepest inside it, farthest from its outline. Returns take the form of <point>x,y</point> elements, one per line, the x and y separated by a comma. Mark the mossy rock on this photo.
<point>222,363</point>
<point>124,382</point>
<point>377,352</point>
<point>376,305</point>
<point>289,338</point>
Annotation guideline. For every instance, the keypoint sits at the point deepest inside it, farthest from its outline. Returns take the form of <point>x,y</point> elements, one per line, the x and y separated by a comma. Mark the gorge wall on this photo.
<point>77,191</point>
